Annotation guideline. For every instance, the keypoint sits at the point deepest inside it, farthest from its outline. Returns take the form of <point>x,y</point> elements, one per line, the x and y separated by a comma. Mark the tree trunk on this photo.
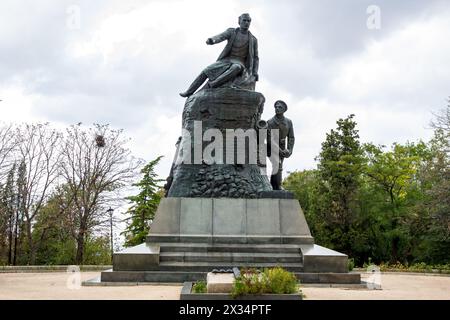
<point>395,242</point>
<point>31,249</point>
<point>10,240</point>
<point>80,248</point>
<point>16,235</point>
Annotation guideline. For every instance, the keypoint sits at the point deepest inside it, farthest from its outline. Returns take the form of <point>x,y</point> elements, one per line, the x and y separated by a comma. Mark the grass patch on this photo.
<point>415,267</point>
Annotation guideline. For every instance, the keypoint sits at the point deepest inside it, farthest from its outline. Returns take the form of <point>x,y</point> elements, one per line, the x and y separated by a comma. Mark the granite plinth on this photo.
<point>139,257</point>
<point>320,259</point>
<point>227,220</point>
<point>193,236</point>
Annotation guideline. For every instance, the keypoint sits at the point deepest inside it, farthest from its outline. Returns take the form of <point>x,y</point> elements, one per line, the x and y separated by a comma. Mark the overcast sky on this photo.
<point>124,63</point>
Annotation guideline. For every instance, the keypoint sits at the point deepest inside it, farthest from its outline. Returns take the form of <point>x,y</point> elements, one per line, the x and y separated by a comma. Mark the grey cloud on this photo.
<point>301,44</point>
<point>331,30</point>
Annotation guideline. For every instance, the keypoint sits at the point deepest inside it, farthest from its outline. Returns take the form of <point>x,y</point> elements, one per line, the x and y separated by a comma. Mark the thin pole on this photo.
<point>111,232</point>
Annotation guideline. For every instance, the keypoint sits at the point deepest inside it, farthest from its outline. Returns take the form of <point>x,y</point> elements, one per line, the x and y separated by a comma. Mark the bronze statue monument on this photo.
<point>220,210</point>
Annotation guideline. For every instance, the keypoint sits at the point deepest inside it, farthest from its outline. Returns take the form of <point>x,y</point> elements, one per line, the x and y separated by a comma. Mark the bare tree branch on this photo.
<point>39,152</point>
<point>8,144</point>
<point>93,172</point>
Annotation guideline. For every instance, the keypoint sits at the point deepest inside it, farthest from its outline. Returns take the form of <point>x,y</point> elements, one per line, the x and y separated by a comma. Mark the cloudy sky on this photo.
<point>124,63</point>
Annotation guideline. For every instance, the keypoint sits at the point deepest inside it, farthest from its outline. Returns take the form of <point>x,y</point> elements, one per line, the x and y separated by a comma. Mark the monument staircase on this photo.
<point>192,261</point>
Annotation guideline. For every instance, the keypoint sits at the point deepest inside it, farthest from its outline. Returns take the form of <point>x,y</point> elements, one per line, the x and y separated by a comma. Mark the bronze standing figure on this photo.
<point>286,132</point>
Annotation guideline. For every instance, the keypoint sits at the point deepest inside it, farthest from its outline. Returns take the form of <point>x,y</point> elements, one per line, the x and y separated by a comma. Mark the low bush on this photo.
<point>271,280</point>
<point>199,287</point>
<point>280,281</point>
<point>351,264</point>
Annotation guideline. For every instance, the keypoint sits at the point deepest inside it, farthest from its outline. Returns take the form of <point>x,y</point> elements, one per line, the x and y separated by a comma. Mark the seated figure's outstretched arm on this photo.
<point>220,37</point>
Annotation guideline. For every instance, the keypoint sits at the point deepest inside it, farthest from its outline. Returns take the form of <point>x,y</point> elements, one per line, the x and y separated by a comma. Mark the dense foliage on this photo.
<point>381,204</point>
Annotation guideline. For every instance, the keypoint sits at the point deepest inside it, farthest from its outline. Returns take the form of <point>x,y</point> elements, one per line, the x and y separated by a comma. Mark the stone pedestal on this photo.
<point>193,236</point>
<point>270,221</point>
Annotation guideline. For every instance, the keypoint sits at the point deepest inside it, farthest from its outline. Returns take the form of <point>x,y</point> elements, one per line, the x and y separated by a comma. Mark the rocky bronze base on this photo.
<point>220,181</point>
<point>236,171</point>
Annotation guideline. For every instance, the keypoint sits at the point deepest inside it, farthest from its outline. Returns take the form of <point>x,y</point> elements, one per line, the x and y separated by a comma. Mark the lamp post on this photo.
<point>110,211</point>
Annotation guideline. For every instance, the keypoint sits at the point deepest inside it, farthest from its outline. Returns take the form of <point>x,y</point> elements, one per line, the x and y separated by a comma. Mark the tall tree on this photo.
<point>7,215</point>
<point>144,205</point>
<point>53,231</point>
<point>440,165</point>
<point>394,175</point>
<point>12,204</point>
<point>95,164</point>
<point>340,166</point>
<point>38,172</point>
<point>393,170</point>
<point>435,218</point>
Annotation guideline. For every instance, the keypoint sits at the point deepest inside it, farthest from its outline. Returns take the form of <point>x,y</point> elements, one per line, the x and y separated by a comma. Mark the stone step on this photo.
<point>182,276</point>
<point>230,257</point>
<point>253,248</point>
<point>209,266</point>
<point>231,239</point>
<point>328,278</point>
<point>152,276</point>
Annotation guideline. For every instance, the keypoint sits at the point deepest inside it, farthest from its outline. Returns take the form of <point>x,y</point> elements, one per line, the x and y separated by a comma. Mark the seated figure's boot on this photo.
<point>195,85</point>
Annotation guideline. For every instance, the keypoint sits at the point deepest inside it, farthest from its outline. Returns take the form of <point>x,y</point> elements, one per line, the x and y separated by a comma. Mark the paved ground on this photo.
<point>54,285</point>
<point>394,287</point>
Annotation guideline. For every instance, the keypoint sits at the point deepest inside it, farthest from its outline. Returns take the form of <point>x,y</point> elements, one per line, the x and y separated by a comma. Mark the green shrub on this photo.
<point>199,287</point>
<point>249,282</point>
<point>273,280</point>
<point>351,264</point>
<point>280,281</point>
